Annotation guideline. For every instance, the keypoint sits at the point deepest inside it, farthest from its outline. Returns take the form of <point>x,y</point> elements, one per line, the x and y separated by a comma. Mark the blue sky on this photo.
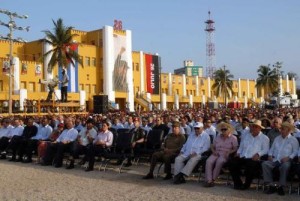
<point>248,33</point>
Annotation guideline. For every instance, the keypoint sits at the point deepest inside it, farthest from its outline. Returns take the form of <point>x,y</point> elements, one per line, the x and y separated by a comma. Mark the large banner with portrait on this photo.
<point>152,73</point>
<point>121,67</point>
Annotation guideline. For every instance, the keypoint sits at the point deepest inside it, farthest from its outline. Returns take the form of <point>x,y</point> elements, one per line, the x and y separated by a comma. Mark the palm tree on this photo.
<point>267,79</point>
<point>64,50</point>
<point>292,75</point>
<point>223,83</point>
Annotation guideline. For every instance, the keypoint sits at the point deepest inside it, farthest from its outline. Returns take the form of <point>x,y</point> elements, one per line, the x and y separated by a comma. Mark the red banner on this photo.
<point>152,73</point>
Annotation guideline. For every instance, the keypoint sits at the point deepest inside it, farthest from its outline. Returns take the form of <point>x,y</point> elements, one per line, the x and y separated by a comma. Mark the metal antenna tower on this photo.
<point>210,47</point>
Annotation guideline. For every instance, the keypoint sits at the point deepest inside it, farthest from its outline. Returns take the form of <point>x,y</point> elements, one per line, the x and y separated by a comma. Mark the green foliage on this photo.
<point>223,83</point>
<point>267,79</point>
<point>61,39</point>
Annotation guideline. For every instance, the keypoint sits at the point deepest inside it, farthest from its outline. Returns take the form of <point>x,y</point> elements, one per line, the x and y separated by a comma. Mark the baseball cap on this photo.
<point>198,125</point>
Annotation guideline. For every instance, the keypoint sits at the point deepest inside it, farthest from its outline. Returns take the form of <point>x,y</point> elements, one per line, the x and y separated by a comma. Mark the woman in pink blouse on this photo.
<point>223,145</point>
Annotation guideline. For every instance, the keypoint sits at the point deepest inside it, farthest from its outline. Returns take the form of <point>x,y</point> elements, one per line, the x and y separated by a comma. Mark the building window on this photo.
<point>87,88</point>
<point>177,91</point>
<point>38,88</point>
<point>187,81</point>
<point>31,87</point>
<point>81,59</point>
<point>23,85</point>
<point>94,61</point>
<point>93,89</point>
<point>193,81</point>
<point>87,61</point>
<point>165,79</point>
<point>101,61</point>
<point>1,85</point>
<point>173,80</point>
<point>203,92</point>
<point>244,93</point>
<point>81,87</point>
<point>137,67</point>
<point>179,80</point>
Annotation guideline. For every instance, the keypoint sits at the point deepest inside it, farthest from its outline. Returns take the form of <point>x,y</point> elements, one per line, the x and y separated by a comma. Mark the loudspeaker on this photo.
<point>100,103</point>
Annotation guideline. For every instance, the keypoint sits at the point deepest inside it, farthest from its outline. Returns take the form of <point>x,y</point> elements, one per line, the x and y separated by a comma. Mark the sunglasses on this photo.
<point>224,129</point>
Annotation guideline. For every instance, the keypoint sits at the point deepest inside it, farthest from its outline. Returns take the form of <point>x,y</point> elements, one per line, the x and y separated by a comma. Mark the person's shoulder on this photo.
<point>182,136</point>
<point>265,137</point>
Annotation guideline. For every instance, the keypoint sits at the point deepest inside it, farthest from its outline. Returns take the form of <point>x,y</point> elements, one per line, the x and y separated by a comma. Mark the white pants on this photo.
<point>187,168</point>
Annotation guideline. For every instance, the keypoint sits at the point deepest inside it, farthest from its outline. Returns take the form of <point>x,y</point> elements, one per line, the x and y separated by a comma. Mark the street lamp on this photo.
<point>11,25</point>
<point>225,85</point>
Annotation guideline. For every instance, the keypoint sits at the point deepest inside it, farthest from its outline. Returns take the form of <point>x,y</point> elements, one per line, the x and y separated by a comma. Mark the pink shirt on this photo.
<point>223,145</point>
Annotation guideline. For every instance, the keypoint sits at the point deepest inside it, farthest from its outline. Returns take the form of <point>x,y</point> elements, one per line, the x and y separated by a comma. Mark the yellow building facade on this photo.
<point>100,51</point>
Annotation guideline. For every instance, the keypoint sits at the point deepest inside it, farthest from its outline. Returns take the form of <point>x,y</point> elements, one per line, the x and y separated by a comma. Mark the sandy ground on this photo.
<point>34,182</point>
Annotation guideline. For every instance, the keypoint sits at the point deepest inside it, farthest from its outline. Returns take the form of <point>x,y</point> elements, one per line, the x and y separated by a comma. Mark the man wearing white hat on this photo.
<point>191,153</point>
<point>283,150</point>
<point>253,146</point>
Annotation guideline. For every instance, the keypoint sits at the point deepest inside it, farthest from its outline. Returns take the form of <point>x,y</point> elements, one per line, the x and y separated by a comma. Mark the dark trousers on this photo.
<point>251,169</point>
<point>51,90</point>
<point>14,144</point>
<point>78,149</point>
<point>162,157</point>
<point>22,147</point>
<point>298,171</point>
<point>4,143</point>
<point>64,94</point>
<point>135,151</point>
<point>92,151</point>
<point>31,146</point>
<point>55,152</point>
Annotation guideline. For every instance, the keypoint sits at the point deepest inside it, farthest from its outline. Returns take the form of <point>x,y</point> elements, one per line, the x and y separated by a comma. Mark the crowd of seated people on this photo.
<point>248,141</point>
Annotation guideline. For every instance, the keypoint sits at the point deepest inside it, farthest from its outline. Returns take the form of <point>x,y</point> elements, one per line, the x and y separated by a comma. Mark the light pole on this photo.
<point>225,85</point>
<point>11,25</point>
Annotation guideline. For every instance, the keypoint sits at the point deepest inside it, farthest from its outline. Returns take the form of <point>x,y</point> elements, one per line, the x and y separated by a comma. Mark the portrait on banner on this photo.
<point>5,68</point>
<point>38,70</point>
<point>24,69</point>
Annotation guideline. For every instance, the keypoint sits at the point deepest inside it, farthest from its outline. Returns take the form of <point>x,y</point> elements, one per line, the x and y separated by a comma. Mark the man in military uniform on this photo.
<point>171,148</point>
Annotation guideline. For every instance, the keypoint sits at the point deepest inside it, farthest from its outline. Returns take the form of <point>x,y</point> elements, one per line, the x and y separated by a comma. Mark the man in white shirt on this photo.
<point>191,153</point>
<point>187,129</point>
<point>129,124</point>
<point>15,137</point>
<point>43,133</point>
<point>209,129</point>
<point>253,146</point>
<point>4,136</point>
<point>85,138</point>
<point>283,150</point>
<point>242,128</point>
<point>64,86</point>
<point>62,144</point>
<point>101,144</point>
<point>145,126</point>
